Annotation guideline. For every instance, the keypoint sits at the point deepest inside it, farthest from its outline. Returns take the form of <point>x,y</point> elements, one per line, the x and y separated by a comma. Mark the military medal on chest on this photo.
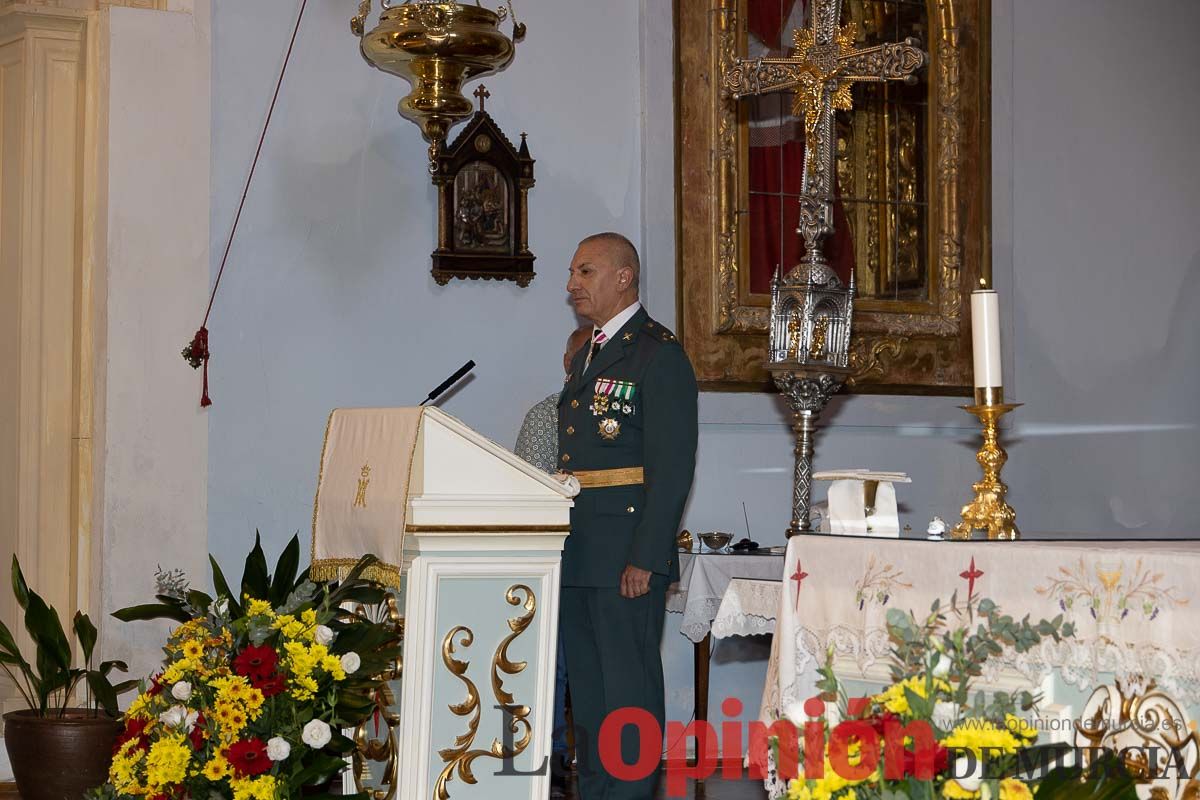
<point>615,396</point>
<point>609,428</point>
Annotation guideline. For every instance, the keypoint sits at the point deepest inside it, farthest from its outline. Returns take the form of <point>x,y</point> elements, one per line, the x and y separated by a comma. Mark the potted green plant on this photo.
<point>58,750</point>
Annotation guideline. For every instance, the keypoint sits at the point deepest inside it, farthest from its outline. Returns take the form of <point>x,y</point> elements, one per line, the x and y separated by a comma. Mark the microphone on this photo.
<point>446,384</point>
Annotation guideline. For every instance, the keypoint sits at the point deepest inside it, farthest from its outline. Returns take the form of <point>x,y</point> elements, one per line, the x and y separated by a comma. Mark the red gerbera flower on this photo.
<point>134,729</point>
<point>198,734</point>
<point>256,662</point>
<point>248,757</point>
<point>270,685</point>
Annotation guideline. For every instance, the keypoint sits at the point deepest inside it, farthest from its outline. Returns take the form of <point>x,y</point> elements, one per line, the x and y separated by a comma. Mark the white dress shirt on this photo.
<point>614,325</point>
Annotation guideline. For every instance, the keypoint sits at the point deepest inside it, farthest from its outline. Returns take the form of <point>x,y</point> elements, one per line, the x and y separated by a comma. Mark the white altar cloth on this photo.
<point>748,608</point>
<point>703,578</point>
<point>1133,604</point>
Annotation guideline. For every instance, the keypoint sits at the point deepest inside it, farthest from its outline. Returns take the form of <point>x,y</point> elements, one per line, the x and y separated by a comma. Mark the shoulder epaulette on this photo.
<point>658,331</point>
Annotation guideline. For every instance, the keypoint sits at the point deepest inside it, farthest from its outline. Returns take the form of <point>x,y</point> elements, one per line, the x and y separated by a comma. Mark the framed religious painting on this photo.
<point>483,185</point>
<point>912,187</point>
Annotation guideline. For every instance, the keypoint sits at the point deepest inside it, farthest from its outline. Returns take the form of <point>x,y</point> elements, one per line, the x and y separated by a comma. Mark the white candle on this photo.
<point>985,338</point>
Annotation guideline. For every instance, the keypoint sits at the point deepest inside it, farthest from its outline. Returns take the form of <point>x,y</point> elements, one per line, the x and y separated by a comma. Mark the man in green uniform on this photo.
<point>627,431</point>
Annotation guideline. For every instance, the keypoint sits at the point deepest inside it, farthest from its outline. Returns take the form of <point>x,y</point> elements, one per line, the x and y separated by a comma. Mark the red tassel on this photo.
<point>205,400</point>
<point>196,354</point>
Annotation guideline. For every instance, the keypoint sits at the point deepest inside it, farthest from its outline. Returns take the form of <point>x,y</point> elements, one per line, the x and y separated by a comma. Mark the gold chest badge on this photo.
<point>609,428</point>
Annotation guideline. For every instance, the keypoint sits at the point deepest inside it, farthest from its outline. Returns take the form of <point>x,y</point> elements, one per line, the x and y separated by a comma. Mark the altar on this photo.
<point>1132,604</point>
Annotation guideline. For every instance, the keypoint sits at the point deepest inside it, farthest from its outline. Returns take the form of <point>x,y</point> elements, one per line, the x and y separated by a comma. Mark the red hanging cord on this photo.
<point>196,353</point>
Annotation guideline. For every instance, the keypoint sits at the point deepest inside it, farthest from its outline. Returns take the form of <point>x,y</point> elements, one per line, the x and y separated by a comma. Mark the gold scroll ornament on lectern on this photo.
<point>362,491</point>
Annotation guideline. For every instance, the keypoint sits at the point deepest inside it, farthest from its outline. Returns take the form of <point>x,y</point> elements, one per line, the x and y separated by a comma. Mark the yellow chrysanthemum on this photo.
<point>192,649</point>
<point>1021,728</point>
<point>895,699</point>
<point>123,772</point>
<point>291,627</point>
<point>234,689</point>
<point>260,788</point>
<point>174,673</point>
<point>300,658</point>
<point>167,761</point>
<point>953,791</point>
<point>256,607</point>
<point>977,734</point>
<point>253,700</point>
<point>304,687</point>
<point>1014,789</point>
<point>332,665</point>
<point>139,708</point>
<point>217,768</point>
<point>309,617</point>
<point>798,790</point>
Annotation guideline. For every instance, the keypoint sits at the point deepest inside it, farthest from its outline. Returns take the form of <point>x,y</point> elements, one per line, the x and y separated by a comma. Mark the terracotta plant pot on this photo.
<point>59,758</point>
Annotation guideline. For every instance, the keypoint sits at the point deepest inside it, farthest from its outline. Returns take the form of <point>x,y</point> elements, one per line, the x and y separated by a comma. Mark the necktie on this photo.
<point>596,343</point>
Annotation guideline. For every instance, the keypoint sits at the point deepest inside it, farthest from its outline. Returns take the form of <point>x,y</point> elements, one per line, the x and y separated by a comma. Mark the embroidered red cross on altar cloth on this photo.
<point>969,576</point>
<point>798,576</point>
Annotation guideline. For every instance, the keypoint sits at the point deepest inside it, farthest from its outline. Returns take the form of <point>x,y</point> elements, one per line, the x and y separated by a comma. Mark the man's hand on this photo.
<point>635,582</point>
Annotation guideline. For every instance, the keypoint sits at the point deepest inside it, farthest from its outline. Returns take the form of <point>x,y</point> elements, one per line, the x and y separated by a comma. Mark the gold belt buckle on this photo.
<point>621,476</point>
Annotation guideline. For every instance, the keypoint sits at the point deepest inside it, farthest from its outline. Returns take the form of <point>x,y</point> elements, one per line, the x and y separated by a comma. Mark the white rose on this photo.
<point>973,769</point>
<point>794,713</point>
<point>351,662</point>
<point>173,717</point>
<point>940,665</point>
<point>945,715</point>
<point>278,748</point>
<point>181,691</point>
<point>323,635</point>
<point>316,734</point>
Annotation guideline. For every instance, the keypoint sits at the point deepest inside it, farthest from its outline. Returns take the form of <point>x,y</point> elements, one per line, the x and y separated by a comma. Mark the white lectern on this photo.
<point>482,534</point>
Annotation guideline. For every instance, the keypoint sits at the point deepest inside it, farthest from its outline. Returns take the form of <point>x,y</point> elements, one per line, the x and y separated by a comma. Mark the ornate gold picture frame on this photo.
<point>913,342</point>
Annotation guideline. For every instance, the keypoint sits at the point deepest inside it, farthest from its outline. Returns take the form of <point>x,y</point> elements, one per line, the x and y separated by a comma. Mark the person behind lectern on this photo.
<point>627,431</point>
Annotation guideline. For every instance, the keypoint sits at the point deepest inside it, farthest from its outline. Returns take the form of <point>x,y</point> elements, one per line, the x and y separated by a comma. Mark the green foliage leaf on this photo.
<point>285,572</point>
<point>199,600</point>
<point>256,581</point>
<point>8,645</point>
<point>20,588</point>
<point>223,590</point>
<point>103,691</point>
<point>150,611</point>
<point>46,628</point>
<point>322,767</point>
<point>85,632</point>
<point>1105,779</point>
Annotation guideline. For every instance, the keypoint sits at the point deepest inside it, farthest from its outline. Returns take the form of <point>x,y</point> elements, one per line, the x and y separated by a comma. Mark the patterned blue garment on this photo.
<point>537,442</point>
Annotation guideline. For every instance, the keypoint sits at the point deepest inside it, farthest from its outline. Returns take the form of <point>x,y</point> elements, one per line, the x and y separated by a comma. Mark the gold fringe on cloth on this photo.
<point>336,569</point>
<point>361,499</point>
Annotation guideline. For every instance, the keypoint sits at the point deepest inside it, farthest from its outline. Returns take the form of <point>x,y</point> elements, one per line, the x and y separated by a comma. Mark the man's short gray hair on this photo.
<point>625,253</point>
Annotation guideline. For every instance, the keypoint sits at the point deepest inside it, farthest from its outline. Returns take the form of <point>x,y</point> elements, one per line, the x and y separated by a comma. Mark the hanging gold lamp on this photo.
<point>436,47</point>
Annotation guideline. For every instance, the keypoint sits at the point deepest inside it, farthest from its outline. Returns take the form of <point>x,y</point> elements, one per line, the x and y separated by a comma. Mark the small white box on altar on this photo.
<point>863,502</point>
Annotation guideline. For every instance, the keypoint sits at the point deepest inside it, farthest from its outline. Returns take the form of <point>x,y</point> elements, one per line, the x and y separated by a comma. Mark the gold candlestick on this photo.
<point>988,511</point>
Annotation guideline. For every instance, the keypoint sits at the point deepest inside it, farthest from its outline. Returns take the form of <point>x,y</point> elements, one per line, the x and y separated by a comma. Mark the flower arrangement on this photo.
<point>924,736</point>
<point>255,687</point>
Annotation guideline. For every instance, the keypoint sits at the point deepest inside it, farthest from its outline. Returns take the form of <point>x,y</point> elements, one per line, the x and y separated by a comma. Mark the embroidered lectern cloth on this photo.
<point>362,491</point>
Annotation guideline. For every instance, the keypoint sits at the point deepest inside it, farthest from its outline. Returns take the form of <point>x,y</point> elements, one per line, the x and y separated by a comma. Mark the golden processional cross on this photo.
<point>821,73</point>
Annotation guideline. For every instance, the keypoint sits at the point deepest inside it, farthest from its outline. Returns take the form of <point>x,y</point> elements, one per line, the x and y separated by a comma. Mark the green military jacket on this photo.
<point>634,406</point>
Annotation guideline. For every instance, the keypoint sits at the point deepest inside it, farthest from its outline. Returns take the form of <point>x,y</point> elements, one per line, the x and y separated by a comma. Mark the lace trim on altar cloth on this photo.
<point>1083,664</point>
<point>697,616</point>
<point>742,625</point>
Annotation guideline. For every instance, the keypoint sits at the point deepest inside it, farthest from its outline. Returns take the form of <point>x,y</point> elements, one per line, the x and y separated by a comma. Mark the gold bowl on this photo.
<point>436,47</point>
<point>716,540</point>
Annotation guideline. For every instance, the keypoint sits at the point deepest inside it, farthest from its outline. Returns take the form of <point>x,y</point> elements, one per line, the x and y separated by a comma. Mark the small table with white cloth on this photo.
<point>703,581</point>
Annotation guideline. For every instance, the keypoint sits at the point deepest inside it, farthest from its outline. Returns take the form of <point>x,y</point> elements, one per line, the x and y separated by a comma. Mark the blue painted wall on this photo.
<point>328,299</point>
